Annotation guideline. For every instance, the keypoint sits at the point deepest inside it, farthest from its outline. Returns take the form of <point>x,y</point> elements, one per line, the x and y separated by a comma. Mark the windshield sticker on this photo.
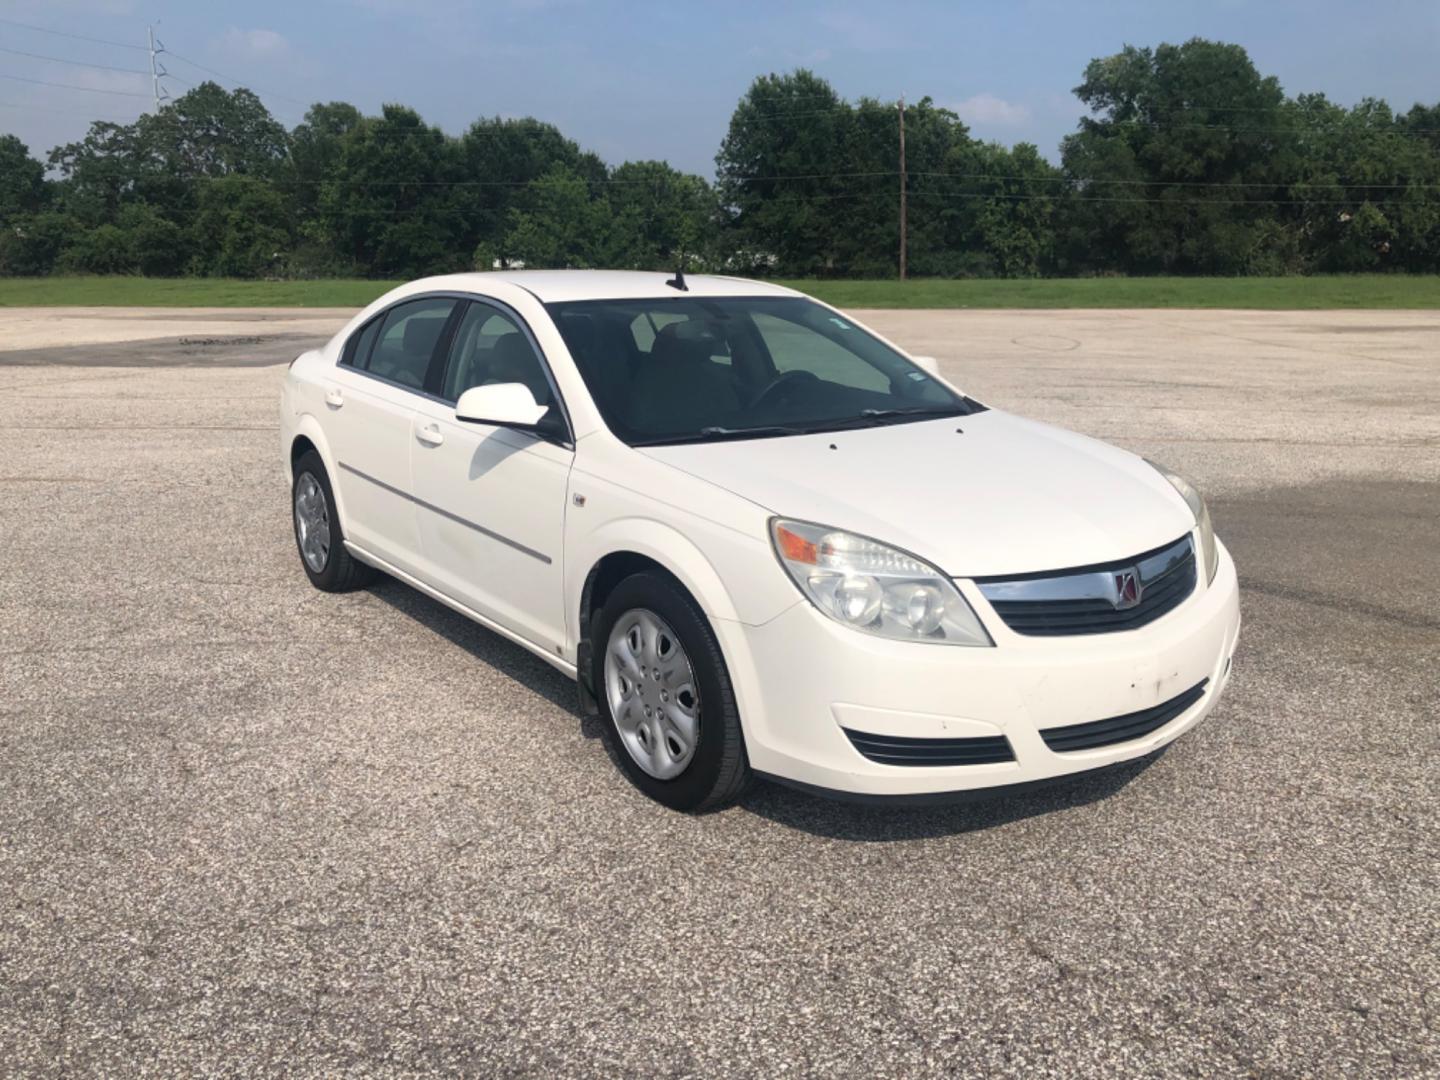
<point>917,376</point>
<point>840,323</point>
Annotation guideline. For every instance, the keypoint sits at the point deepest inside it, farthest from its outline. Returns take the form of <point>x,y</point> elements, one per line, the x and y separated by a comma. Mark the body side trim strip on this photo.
<point>447,514</point>
<point>558,662</point>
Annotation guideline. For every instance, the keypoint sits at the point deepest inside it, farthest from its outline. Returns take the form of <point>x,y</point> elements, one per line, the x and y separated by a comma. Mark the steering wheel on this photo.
<point>779,388</point>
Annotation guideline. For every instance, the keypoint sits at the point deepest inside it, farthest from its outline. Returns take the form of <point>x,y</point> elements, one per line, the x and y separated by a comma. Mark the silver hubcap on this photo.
<point>312,522</point>
<point>650,687</point>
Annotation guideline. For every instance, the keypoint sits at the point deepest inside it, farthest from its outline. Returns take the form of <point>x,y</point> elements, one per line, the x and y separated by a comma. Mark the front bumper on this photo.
<point>803,680</point>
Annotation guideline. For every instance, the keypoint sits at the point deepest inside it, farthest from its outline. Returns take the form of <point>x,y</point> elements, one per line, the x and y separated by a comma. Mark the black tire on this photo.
<point>719,771</point>
<point>341,571</point>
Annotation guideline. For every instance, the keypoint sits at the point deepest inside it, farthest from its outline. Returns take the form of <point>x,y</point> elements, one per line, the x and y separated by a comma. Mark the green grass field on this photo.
<point>186,292</point>
<point>1281,294</point>
<point>1291,293</point>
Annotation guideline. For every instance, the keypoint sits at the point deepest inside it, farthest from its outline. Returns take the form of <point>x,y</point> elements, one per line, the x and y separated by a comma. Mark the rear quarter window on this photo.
<point>357,349</point>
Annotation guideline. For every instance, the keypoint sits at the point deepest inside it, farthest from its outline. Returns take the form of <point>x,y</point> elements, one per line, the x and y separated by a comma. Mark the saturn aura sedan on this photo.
<point>762,539</point>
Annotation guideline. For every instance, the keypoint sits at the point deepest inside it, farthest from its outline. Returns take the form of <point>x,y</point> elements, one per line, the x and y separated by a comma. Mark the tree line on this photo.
<point>1187,161</point>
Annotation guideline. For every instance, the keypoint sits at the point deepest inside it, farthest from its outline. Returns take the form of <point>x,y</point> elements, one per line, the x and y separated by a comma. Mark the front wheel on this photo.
<point>669,709</point>
<point>328,565</point>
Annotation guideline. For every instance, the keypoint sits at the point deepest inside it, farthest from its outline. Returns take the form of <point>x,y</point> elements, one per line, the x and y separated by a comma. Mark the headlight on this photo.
<point>874,588</point>
<point>1208,551</point>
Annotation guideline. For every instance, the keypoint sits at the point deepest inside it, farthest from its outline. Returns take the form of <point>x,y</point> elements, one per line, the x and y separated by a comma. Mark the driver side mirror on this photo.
<point>927,364</point>
<point>500,405</point>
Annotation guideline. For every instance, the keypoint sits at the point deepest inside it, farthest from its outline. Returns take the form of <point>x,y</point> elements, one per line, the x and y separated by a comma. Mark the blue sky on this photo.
<point>637,79</point>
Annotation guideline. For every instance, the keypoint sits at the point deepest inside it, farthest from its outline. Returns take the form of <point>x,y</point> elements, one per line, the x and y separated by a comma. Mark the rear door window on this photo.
<point>406,342</point>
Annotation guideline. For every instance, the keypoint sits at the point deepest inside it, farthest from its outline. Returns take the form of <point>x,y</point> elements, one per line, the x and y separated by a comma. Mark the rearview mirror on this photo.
<point>927,364</point>
<point>501,405</point>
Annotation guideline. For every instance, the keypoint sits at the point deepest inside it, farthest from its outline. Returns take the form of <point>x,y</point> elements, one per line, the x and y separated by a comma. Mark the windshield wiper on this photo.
<point>916,410</point>
<point>867,417</point>
<point>876,417</point>
<point>716,433</point>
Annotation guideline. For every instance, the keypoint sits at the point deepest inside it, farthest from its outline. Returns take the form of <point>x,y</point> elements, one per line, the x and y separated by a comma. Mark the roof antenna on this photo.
<point>678,281</point>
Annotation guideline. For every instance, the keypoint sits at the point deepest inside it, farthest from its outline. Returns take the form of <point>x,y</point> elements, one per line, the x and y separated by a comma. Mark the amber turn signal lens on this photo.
<point>793,547</point>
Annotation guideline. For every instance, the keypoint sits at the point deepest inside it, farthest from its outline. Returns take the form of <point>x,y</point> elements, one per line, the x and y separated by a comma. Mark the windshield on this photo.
<point>702,369</point>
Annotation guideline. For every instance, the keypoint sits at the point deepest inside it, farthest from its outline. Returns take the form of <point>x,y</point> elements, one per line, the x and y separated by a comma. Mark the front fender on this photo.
<point>757,589</point>
<point>665,545</point>
<point>305,424</point>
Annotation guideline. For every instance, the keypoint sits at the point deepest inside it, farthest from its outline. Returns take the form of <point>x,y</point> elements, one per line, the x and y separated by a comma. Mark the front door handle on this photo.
<point>430,435</point>
<point>334,399</point>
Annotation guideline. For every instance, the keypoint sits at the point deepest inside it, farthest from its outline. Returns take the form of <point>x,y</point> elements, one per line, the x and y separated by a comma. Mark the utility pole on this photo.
<point>156,71</point>
<point>903,227</point>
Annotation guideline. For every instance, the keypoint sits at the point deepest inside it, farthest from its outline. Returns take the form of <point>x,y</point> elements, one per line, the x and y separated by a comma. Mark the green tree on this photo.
<point>498,159</point>
<point>1189,161</point>
<point>160,180</point>
<point>317,148</point>
<point>100,172</point>
<point>241,228</point>
<point>390,205</point>
<point>657,215</point>
<point>558,223</point>
<point>782,169</point>
<point>1179,162</point>
<point>104,249</point>
<point>1364,195</point>
<point>157,246</point>
<point>211,132</point>
<point>1010,200</point>
<point>22,180</point>
<point>31,244</point>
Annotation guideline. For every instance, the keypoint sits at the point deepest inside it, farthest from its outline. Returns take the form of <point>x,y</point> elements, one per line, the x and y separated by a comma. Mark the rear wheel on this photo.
<point>669,710</point>
<point>327,563</point>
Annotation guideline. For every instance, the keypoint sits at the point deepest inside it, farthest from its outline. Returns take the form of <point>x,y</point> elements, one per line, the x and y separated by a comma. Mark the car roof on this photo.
<point>556,286</point>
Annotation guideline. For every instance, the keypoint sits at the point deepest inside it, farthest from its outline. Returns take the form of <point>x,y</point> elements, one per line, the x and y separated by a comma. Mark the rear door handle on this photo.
<point>335,399</point>
<point>430,435</point>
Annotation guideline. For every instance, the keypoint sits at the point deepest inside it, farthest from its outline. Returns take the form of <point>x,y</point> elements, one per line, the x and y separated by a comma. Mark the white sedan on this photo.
<point>762,539</point>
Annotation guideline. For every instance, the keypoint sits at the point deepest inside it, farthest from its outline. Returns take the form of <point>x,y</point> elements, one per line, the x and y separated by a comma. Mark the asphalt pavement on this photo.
<point>248,828</point>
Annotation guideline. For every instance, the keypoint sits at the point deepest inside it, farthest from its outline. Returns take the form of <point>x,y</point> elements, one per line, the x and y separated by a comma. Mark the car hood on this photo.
<point>978,495</point>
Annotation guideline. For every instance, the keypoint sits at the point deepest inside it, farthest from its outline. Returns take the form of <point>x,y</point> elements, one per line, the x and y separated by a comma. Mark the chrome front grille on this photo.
<point>1094,599</point>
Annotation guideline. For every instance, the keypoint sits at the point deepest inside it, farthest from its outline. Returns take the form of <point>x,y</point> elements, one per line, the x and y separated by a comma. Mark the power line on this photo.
<point>1081,181</point>
<point>75,37</point>
<point>75,63</point>
<point>584,180</point>
<point>72,86</point>
<point>226,78</point>
<point>158,51</point>
<point>1300,128</point>
<point>441,212</point>
<point>1028,196</point>
<point>792,197</point>
<point>1072,182</point>
<point>1154,108</point>
<point>64,112</point>
<point>1297,129</point>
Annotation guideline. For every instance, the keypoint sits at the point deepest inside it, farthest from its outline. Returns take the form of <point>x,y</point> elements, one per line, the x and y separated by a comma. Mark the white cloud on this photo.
<point>992,110</point>
<point>254,44</point>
